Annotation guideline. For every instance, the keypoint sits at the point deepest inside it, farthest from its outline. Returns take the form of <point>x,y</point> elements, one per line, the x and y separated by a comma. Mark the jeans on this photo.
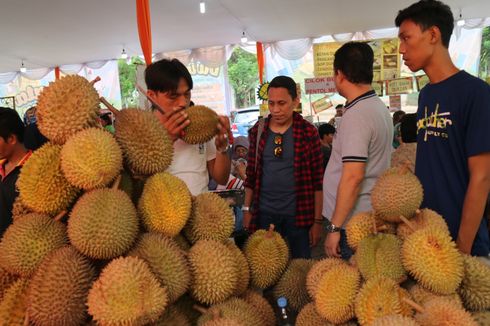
<point>238,217</point>
<point>298,238</point>
<point>345,251</point>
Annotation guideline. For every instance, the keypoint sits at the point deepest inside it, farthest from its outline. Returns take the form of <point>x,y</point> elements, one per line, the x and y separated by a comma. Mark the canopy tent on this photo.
<point>51,33</point>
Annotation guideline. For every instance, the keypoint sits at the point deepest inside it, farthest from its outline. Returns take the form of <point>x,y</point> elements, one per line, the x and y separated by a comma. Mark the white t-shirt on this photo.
<point>190,164</point>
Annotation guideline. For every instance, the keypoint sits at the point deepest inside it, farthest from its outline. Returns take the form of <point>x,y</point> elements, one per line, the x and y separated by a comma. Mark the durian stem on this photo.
<point>26,320</point>
<point>60,215</point>
<point>116,183</point>
<point>95,80</point>
<point>404,168</point>
<point>382,227</point>
<point>375,229</point>
<point>109,106</point>
<point>414,305</point>
<point>269,233</point>
<point>408,223</point>
<point>202,310</point>
<point>418,212</point>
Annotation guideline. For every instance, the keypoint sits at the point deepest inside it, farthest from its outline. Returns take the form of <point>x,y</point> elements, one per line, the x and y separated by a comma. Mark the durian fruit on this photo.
<point>28,240</point>
<point>173,315</point>
<point>267,254</point>
<point>292,284</point>
<point>235,309</point>
<point>261,305</point>
<point>378,297</point>
<point>127,293</point>
<point>91,159</point>
<point>166,260</point>
<point>127,184</point>
<point>92,226</point>
<point>482,318</point>
<point>337,289</point>
<point>440,311</point>
<point>475,287</point>
<point>14,304</point>
<point>144,141</point>
<point>214,270</point>
<point>396,192</point>
<point>211,219</point>
<point>6,280</point>
<point>359,226</point>
<point>59,289</point>
<point>243,268</point>
<point>316,272</point>
<point>19,209</point>
<point>203,125</point>
<point>187,305</point>
<point>42,185</point>
<point>423,218</point>
<point>431,257</point>
<point>222,321</point>
<point>392,320</point>
<point>165,204</point>
<point>422,295</point>
<point>405,155</point>
<point>404,296</point>
<point>67,106</point>
<point>308,316</point>
<point>379,255</point>
<point>182,242</point>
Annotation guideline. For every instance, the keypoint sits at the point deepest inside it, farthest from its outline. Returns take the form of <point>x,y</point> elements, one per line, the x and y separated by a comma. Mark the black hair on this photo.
<point>326,129</point>
<point>428,13</point>
<point>164,75</point>
<point>285,82</point>
<point>339,106</point>
<point>11,124</point>
<point>107,118</point>
<point>355,60</point>
<point>397,116</point>
<point>408,128</point>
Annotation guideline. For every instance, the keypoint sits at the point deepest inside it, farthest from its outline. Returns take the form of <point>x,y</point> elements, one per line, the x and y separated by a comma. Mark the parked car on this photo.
<point>244,120</point>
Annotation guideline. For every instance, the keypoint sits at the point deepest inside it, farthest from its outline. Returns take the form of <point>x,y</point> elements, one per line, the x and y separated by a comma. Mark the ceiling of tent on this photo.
<point>48,33</point>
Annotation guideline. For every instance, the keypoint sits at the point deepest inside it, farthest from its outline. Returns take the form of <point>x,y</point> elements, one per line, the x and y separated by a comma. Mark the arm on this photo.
<point>347,192</point>
<point>247,216</point>
<point>220,167</point>
<point>317,173</point>
<point>474,201</point>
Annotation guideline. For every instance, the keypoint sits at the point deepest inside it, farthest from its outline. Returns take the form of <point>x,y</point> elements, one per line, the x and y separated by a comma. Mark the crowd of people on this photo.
<point>309,182</point>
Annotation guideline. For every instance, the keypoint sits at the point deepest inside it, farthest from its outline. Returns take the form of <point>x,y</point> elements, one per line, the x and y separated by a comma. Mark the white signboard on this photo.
<point>320,85</point>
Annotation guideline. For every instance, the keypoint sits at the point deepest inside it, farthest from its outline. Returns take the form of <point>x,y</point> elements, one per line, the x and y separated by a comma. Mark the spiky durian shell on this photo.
<point>482,317</point>
<point>292,284</point>
<point>65,107</point>
<point>14,304</point>
<point>166,260</point>
<point>173,315</point>
<point>267,254</point>
<point>42,185</point>
<point>214,270</point>
<point>431,257</point>
<point>6,279</point>
<point>28,241</point>
<point>475,287</point>
<point>127,293</point>
<point>316,272</point>
<point>211,219</point>
<point>144,141</point>
<point>92,228</point>
<point>392,320</point>
<point>261,305</point>
<point>59,289</point>
<point>19,208</point>
<point>235,309</point>
<point>243,268</point>
<point>337,289</point>
<point>379,255</point>
<point>423,218</point>
<point>440,311</point>
<point>165,204</point>
<point>359,226</point>
<point>203,125</point>
<point>396,192</point>
<point>91,159</point>
<point>378,297</point>
<point>404,155</point>
<point>421,295</point>
<point>308,316</point>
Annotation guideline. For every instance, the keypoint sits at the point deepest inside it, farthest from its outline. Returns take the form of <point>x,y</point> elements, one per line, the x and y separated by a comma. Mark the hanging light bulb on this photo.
<point>244,39</point>
<point>22,67</point>
<point>124,55</point>
<point>460,21</point>
<point>202,7</point>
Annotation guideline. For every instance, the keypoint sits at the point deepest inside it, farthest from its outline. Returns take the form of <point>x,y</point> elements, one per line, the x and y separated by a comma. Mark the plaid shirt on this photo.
<point>308,168</point>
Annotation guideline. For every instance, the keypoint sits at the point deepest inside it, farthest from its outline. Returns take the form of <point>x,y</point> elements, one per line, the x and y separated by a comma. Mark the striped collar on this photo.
<point>364,96</point>
<point>20,163</point>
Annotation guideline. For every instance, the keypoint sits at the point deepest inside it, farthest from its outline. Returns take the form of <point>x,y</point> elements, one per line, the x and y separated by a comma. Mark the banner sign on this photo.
<point>320,85</point>
<point>321,104</point>
<point>395,101</point>
<point>421,81</point>
<point>323,55</point>
<point>399,86</point>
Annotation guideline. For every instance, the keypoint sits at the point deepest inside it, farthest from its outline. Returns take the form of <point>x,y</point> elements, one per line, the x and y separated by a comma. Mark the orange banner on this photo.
<point>144,28</point>
<point>260,60</point>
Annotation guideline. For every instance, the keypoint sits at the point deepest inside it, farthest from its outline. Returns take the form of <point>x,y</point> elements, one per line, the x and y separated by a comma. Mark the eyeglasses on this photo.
<point>278,148</point>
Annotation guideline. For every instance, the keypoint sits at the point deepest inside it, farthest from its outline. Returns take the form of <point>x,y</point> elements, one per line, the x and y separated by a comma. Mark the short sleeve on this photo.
<point>210,150</point>
<point>477,128</point>
<point>354,139</point>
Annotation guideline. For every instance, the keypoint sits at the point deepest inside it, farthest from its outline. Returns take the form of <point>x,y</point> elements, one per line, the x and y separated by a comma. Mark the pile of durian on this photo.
<point>102,235</point>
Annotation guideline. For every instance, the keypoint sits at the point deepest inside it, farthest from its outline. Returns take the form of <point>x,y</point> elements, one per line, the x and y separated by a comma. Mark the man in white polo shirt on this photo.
<point>362,145</point>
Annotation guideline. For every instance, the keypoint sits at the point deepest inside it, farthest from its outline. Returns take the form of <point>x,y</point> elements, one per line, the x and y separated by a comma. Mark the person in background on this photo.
<point>361,148</point>
<point>13,155</point>
<point>397,117</point>
<point>33,139</point>
<point>339,112</point>
<point>326,132</point>
<point>284,172</point>
<point>106,122</point>
<point>405,154</point>
<point>453,119</point>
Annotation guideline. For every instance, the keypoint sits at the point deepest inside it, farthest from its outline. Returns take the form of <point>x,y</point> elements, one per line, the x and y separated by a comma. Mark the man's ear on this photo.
<point>12,139</point>
<point>151,93</point>
<point>435,35</point>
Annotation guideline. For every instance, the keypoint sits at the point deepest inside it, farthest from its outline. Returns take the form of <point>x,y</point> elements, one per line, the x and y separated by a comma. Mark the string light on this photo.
<point>124,55</point>
<point>244,38</point>
<point>202,7</point>
<point>22,67</point>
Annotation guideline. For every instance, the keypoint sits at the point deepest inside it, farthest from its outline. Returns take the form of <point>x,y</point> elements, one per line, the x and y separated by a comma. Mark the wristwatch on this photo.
<point>227,148</point>
<point>332,228</point>
<point>246,209</point>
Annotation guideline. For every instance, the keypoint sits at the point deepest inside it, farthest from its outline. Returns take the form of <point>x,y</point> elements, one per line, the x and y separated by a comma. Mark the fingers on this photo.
<point>224,128</point>
<point>176,122</point>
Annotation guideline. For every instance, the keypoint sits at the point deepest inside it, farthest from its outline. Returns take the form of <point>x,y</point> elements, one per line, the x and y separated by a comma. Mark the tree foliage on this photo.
<point>243,76</point>
<point>485,54</point>
<point>127,81</point>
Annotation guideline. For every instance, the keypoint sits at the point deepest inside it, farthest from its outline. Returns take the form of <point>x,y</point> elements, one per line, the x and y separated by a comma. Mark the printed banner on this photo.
<point>323,55</point>
<point>399,86</point>
<point>421,81</point>
<point>320,85</point>
<point>395,101</point>
<point>321,104</point>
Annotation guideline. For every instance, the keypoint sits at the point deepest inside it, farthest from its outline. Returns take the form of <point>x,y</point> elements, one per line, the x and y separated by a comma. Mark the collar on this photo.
<point>20,163</point>
<point>364,96</point>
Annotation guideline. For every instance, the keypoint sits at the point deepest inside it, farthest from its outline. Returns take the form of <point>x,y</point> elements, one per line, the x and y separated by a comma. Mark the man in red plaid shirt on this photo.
<point>284,172</point>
